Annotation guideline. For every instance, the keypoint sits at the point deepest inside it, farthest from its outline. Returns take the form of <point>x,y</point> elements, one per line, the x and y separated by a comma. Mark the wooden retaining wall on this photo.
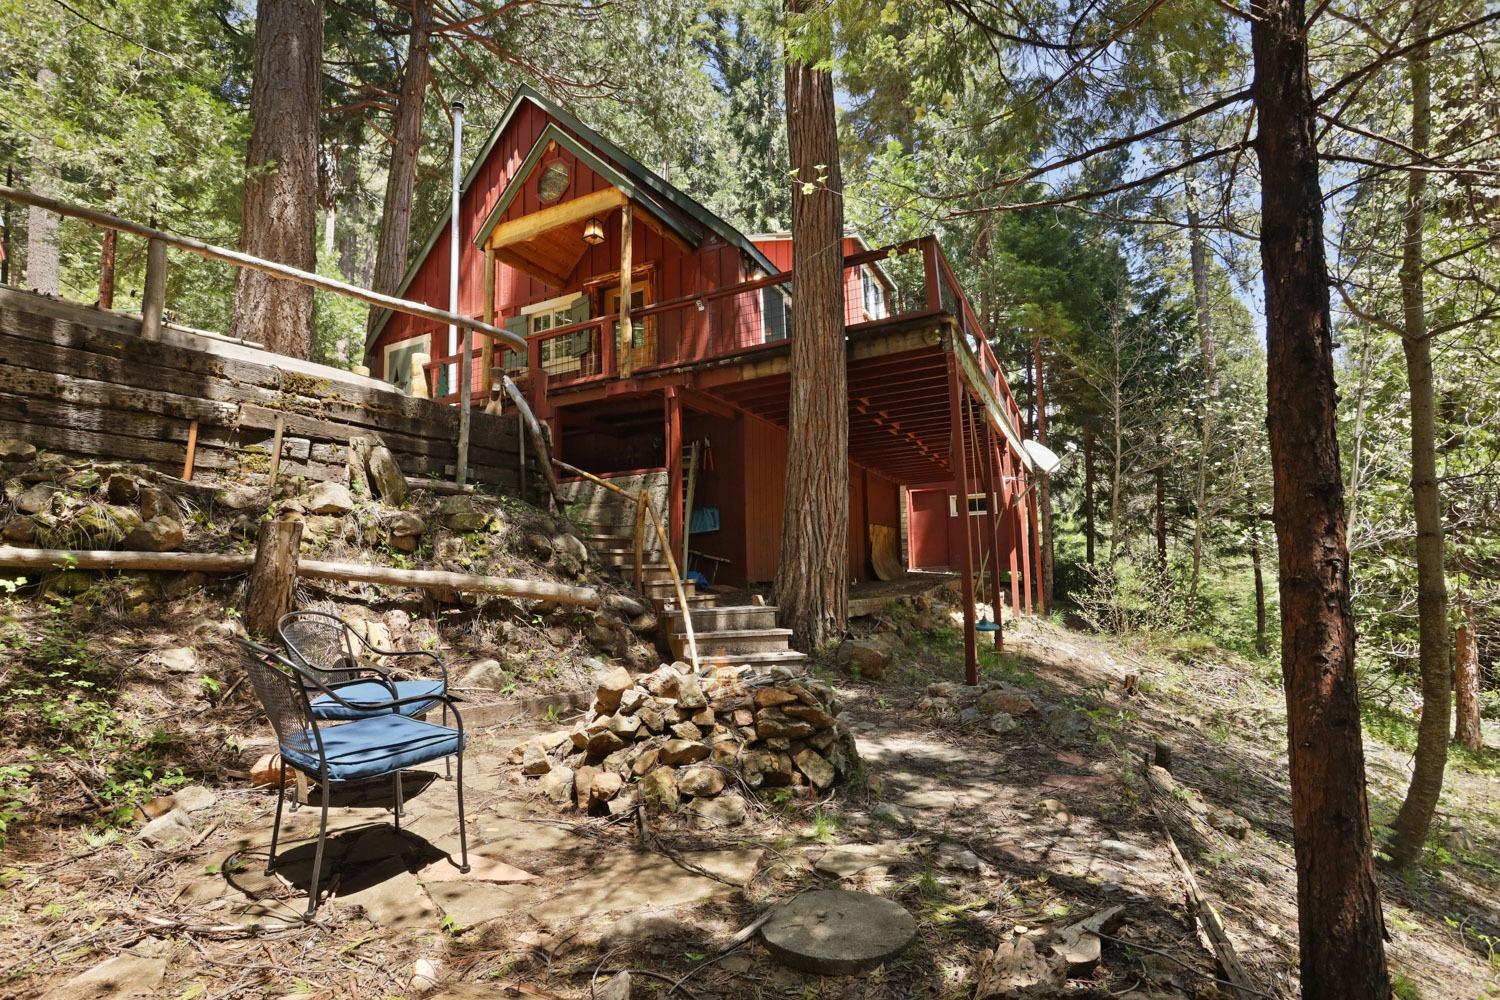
<point>81,382</point>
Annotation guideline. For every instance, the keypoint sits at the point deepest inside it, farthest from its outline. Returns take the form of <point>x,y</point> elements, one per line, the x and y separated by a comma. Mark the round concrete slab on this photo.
<point>836,932</point>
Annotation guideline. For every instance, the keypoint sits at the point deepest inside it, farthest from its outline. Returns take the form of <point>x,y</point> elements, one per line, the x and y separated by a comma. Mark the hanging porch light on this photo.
<point>593,231</point>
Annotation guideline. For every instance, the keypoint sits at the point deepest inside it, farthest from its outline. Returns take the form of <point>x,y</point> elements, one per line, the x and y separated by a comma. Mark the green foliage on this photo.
<point>60,711</point>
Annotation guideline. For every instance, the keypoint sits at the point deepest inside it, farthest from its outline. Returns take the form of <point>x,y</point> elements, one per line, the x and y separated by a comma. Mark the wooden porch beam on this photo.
<point>553,216</point>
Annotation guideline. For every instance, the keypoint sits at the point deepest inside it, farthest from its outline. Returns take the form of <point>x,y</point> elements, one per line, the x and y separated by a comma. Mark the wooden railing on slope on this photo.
<point>644,510</point>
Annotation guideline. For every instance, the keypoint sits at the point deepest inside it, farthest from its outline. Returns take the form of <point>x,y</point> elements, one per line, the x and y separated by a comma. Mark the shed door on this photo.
<point>929,529</point>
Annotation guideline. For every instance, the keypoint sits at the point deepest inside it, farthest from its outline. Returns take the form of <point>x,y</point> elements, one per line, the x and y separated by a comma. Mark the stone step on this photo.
<point>761,662</point>
<point>697,602</point>
<point>728,618</point>
<point>735,643</point>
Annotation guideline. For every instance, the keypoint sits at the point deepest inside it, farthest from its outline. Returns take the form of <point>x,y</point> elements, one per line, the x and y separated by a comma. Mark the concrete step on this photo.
<point>735,643</point>
<point>728,618</point>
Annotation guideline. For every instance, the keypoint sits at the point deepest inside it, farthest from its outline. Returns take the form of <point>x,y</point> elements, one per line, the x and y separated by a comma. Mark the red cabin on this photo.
<point>567,241</point>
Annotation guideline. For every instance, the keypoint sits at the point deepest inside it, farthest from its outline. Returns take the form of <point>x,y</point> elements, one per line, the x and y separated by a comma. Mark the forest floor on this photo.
<point>984,837</point>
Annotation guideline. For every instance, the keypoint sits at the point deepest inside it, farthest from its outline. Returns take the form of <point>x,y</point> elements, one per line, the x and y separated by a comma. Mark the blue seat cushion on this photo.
<point>325,707</point>
<point>380,744</point>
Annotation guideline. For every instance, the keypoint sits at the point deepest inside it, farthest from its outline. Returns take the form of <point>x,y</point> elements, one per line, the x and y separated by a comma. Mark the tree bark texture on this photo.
<point>43,253</point>
<point>1044,483</point>
<point>401,175</point>
<point>280,217</point>
<point>1253,512</point>
<point>1160,505</point>
<point>107,270</point>
<point>1466,681</point>
<point>812,578</point>
<point>1410,828</point>
<point>1207,350</point>
<point>1088,494</point>
<point>273,576</point>
<point>1341,927</point>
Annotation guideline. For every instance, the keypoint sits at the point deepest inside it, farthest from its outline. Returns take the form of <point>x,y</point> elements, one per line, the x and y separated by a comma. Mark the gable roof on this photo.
<point>646,184</point>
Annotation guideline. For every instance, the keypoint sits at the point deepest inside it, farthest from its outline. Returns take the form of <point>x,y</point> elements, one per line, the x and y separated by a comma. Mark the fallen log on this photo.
<point>214,562</point>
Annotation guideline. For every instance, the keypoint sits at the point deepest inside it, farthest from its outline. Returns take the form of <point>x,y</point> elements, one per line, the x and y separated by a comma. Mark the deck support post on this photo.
<point>674,469</point>
<point>992,535</point>
<point>956,459</point>
<point>1023,535</point>
<point>154,296</point>
<point>1039,588</point>
<point>625,333</point>
<point>1007,511</point>
<point>487,346</point>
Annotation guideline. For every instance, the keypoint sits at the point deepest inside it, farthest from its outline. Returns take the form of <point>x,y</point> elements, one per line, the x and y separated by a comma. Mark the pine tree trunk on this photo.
<point>1469,734</point>
<point>1161,520</point>
<point>1409,831</point>
<point>1198,256</point>
<point>812,579</point>
<point>1260,581</point>
<point>280,217</point>
<point>1044,483</point>
<point>43,254</point>
<point>401,175</point>
<point>1341,927</point>
<point>1088,494</point>
<point>107,270</point>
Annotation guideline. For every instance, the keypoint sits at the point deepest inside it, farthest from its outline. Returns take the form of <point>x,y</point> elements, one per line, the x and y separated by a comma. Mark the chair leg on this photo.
<point>400,805</point>
<point>276,829</point>
<point>463,830</point>
<point>447,761</point>
<point>317,871</point>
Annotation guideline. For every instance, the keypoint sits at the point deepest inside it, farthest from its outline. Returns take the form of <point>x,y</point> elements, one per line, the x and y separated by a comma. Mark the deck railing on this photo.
<point>752,317</point>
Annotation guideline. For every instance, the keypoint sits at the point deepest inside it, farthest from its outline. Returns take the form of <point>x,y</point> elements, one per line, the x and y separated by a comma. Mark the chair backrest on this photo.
<point>322,644</point>
<point>283,694</point>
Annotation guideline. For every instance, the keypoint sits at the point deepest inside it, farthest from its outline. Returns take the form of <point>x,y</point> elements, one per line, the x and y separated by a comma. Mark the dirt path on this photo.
<point>985,836</point>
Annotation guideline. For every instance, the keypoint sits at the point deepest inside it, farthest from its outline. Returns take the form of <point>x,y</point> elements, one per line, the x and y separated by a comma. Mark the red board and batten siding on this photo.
<point>779,252</point>
<point>675,273</point>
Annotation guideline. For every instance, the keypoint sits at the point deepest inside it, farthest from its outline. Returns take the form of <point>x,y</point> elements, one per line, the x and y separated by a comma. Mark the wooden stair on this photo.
<point>618,551</point>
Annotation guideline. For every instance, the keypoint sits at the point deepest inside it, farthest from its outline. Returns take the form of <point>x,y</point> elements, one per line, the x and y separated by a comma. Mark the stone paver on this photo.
<point>122,976</point>
<point>628,881</point>
<point>835,932</point>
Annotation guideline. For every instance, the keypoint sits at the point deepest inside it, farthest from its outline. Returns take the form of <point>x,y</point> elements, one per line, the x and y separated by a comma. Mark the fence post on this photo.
<point>154,298</point>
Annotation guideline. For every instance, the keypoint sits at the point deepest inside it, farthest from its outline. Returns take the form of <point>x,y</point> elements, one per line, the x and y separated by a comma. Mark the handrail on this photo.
<point>642,503</point>
<point>209,251</point>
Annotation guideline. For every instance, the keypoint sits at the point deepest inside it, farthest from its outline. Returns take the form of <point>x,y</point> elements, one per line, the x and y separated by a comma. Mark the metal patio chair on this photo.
<point>379,740</point>
<point>328,648</point>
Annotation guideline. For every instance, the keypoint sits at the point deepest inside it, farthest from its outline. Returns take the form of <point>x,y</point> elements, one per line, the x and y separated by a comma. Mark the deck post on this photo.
<point>154,297</point>
<point>1007,492</point>
<point>487,346</point>
<point>625,332</point>
<point>957,462</point>
<point>1036,556</point>
<point>992,536</point>
<point>1023,535</point>
<point>674,469</point>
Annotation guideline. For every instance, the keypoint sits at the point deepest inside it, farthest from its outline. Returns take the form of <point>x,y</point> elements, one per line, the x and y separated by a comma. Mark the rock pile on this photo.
<point>57,504</point>
<point>681,741</point>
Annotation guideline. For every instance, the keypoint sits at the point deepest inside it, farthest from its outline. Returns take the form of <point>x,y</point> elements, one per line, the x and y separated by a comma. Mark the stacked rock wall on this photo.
<point>676,740</point>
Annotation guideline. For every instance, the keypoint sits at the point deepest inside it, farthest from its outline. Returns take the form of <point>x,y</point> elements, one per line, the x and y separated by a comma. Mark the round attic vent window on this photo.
<point>553,181</point>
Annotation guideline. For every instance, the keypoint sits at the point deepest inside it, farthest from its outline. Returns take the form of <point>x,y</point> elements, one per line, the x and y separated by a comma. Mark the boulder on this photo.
<point>700,781</point>
<point>161,533</point>
<point>329,498</point>
<point>380,465</point>
<point>178,659</point>
<point>12,450</point>
<point>583,784</point>
<point>605,786</point>
<point>689,694</point>
<point>772,723</point>
<point>680,752</point>
<point>1001,723</point>
<point>406,530</point>
<point>721,811</point>
<point>35,498</point>
<point>570,549</point>
<point>818,770</point>
<point>122,488</point>
<point>663,681</point>
<point>170,828</point>
<point>489,674</point>
<point>557,785</point>
<point>534,759</point>
<point>153,502</point>
<point>771,697</point>
<point>1008,700</point>
<point>540,545</point>
<point>870,657</point>
<point>659,788</point>
<point>612,688</point>
<point>462,514</point>
<point>21,530</point>
<point>616,987</point>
